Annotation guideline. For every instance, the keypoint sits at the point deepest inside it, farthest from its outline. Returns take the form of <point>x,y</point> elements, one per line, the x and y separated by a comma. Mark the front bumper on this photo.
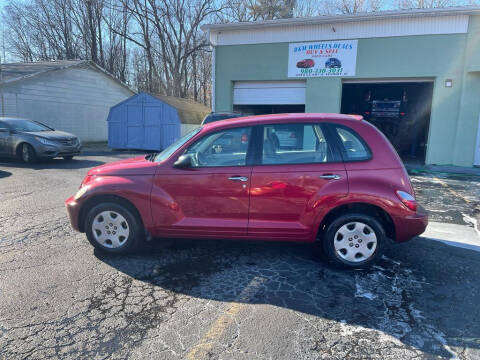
<point>408,227</point>
<point>46,151</point>
<point>73,210</point>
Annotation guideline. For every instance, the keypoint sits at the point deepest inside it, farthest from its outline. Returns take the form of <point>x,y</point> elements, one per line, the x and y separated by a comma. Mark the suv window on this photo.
<point>294,144</point>
<point>223,148</point>
<point>354,147</point>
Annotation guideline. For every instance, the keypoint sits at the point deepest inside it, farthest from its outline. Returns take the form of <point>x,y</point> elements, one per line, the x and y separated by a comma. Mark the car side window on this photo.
<point>354,147</point>
<point>294,144</point>
<point>223,148</point>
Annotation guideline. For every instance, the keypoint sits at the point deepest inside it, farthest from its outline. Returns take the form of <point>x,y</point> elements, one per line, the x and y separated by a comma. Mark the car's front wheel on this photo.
<point>354,240</point>
<point>27,153</point>
<point>113,228</point>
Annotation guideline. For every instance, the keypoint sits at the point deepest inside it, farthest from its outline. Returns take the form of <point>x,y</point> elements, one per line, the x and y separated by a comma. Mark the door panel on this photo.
<point>202,202</point>
<point>5,140</point>
<point>210,198</point>
<point>285,200</point>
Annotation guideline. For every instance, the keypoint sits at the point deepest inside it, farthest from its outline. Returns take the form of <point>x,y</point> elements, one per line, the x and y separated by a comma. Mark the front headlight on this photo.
<point>45,141</point>
<point>82,191</point>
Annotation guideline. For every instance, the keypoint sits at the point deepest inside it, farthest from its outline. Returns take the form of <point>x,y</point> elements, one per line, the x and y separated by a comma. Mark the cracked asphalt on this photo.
<point>200,299</point>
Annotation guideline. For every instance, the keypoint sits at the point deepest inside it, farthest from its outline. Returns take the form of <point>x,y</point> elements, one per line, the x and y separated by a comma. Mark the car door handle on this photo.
<point>330,176</point>
<point>238,178</point>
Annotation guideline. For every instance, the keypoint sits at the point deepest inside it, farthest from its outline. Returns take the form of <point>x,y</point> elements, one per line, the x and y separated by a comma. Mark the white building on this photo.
<point>73,96</point>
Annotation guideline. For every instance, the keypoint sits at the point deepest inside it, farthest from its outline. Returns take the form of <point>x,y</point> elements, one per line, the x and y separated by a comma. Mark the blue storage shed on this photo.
<point>143,122</point>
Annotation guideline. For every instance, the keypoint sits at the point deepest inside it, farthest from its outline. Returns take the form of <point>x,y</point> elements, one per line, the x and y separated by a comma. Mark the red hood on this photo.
<point>128,167</point>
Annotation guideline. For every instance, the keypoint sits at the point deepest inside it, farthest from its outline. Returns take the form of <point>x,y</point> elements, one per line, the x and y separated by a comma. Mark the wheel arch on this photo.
<point>101,198</point>
<point>359,208</point>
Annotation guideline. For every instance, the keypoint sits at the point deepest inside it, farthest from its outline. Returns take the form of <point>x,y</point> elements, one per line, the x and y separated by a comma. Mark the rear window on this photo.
<point>294,144</point>
<point>354,147</point>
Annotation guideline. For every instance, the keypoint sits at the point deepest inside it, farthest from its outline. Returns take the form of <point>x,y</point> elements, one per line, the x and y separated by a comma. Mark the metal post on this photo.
<point>2,101</point>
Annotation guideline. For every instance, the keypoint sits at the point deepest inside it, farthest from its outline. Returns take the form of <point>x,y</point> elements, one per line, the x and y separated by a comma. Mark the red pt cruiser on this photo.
<point>342,184</point>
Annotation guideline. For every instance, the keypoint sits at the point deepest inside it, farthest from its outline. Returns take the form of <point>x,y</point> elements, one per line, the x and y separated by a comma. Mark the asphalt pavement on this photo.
<point>202,299</point>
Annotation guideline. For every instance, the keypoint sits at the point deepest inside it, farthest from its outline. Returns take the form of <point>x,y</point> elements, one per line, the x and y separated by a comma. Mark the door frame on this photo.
<point>476,154</point>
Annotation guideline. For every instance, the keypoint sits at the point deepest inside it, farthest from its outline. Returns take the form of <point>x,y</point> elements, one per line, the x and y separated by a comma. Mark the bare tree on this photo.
<point>351,6</point>
<point>424,4</point>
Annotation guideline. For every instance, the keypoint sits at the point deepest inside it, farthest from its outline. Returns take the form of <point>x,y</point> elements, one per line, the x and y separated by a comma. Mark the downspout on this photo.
<point>213,78</point>
<point>213,71</point>
<point>2,101</point>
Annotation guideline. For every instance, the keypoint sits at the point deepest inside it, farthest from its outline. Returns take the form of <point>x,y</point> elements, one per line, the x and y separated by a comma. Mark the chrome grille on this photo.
<point>68,142</point>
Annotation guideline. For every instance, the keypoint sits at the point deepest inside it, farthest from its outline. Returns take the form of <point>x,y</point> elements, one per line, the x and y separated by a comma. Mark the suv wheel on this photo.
<point>113,228</point>
<point>354,240</point>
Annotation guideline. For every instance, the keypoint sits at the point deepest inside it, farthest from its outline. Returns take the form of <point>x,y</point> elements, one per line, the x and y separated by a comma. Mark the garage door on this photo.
<point>269,93</point>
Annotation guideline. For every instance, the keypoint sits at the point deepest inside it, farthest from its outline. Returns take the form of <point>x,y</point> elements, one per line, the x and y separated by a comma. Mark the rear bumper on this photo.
<point>410,226</point>
<point>73,210</point>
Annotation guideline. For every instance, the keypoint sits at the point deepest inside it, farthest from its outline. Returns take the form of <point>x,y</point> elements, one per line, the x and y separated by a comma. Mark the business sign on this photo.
<point>323,58</point>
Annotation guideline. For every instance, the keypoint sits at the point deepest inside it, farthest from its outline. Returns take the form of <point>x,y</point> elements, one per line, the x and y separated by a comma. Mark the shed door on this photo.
<point>269,92</point>
<point>135,131</point>
<point>153,130</point>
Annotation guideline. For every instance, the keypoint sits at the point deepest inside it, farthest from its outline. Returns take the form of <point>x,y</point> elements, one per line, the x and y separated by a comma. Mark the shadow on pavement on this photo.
<point>4,174</point>
<point>423,294</point>
<point>51,164</point>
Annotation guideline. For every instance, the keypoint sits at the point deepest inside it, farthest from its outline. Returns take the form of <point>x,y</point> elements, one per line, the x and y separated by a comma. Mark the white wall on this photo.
<point>75,100</point>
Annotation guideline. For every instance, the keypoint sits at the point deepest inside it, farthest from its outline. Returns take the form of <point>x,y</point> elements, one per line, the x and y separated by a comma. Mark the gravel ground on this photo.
<point>203,299</point>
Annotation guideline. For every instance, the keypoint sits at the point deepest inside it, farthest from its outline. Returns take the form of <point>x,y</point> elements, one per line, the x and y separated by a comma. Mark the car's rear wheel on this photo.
<point>67,158</point>
<point>113,228</point>
<point>28,154</point>
<point>354,240</point>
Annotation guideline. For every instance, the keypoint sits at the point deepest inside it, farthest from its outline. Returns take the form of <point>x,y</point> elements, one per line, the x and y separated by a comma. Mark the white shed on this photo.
<point>73,96</point>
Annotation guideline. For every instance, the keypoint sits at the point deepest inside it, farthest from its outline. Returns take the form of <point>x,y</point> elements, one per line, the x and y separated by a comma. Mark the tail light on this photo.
<point>244,138</point>
<point>367,112</point>
<point>407,200</point>
<point>402,114</point>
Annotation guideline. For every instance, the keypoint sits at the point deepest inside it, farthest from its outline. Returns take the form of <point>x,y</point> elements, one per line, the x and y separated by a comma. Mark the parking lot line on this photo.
<point>452,191</point>
<point>206,343</point>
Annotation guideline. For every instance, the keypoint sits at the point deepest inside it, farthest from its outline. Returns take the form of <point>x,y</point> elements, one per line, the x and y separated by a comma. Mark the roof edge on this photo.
<point>24,77</point>
<point>73,65</point>
<point>365,16</point>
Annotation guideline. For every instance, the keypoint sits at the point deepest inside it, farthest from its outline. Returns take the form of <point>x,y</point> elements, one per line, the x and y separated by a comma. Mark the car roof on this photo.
<point>281,118</point>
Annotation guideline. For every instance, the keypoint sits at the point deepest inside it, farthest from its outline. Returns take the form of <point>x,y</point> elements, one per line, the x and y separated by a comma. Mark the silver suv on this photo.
<point>30,140</point>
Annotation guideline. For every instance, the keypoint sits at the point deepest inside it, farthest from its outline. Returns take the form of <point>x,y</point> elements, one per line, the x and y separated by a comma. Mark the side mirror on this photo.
<point>183,162</point>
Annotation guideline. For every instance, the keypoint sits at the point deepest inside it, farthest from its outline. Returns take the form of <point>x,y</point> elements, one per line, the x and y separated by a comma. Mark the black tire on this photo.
<point>329,241</point>
<point>27,154</point>
<point>135,227</point>
<point>67,158</point>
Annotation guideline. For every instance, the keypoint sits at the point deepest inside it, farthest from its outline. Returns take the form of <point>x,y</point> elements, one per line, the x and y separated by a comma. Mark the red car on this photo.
<point>306,64</point>
<point>343,186</point>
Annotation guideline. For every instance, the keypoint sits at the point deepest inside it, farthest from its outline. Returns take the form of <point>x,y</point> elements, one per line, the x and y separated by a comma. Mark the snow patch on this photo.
<point>361,292</point>
<point>473,221</point>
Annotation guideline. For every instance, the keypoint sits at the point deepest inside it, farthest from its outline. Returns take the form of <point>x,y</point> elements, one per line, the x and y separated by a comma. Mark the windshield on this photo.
<point>27,125</point>
<point>165,154</point>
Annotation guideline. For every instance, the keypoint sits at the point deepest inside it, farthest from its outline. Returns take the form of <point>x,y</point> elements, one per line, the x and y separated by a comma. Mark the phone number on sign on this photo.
<point>325,72</point>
